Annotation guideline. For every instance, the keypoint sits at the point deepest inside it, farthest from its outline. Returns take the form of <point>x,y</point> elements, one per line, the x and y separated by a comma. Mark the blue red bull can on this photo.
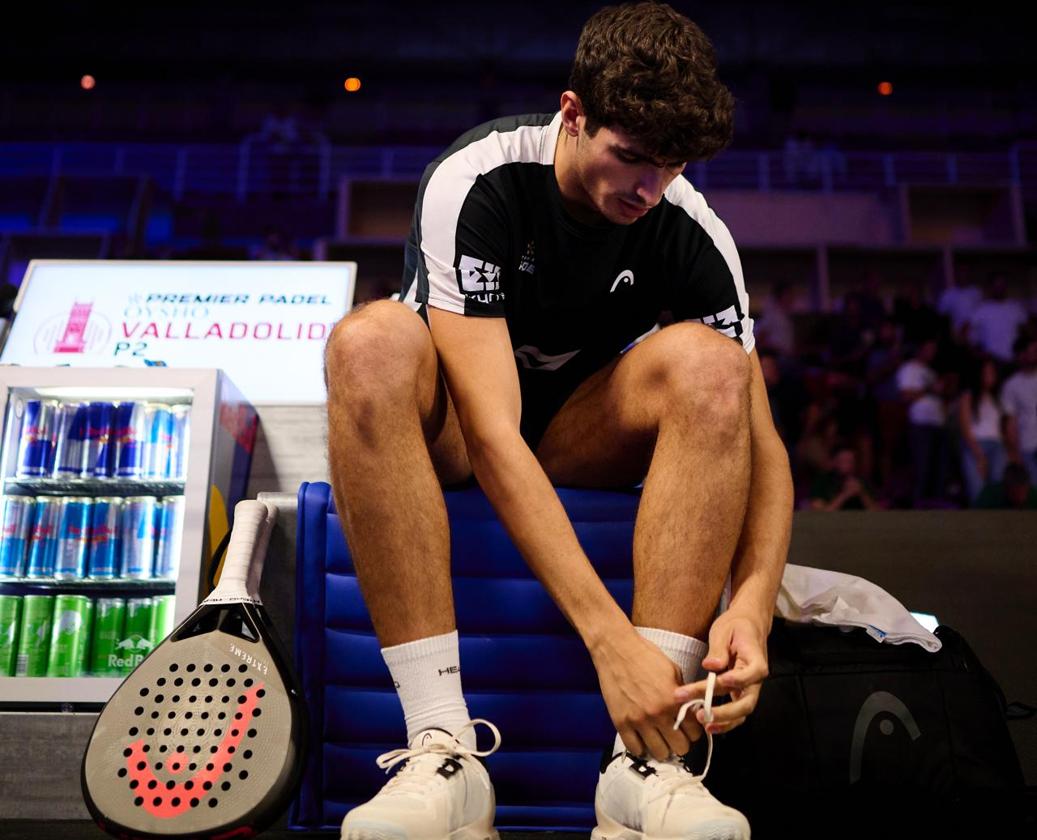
<point>169,526</point>
<point>105,539</point>
<point>181,439</point>
<point>138,537</point>
<point>43,544</point>
<point>36,443</point>
<point>158,449</point>
<point>99,452</point>
<point>15,534</point>
<point>130,437</point>
<point>73,539</point>
<point>70,442</point>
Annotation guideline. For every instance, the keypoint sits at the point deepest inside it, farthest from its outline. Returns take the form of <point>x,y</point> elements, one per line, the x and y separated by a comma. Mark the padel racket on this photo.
<point>206,738</point>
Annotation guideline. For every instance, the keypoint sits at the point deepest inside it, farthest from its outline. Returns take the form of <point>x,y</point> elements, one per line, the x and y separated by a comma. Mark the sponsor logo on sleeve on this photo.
<point>727,322</point>
<point>528,263</point>
<point>479,280</point>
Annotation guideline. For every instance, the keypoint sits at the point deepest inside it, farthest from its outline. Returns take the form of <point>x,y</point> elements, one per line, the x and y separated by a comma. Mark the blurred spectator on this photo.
<point>1014,492</point>
<point>881,365</point>
<point>774,328</point>
<point>786,395</point>
<point>1019,400</point>
<point>995,323</point>
<point>842,487</point>
<point>813,451</point>
<point>979,423</point>
<point>957,303</point>
<point>918,320</point>
<point>871,304</point>
<point>274,247</point>
<point>922,390</point>
<point>850,340</point>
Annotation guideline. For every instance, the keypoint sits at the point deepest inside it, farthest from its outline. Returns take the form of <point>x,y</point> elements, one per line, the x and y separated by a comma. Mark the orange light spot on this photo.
<point>885,88</point>
<point>352,84</point>
<point>87,82</point>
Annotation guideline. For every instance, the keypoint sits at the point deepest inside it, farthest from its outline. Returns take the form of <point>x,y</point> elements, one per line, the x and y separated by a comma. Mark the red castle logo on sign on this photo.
<point>72,341</point>
<point>80,330</point>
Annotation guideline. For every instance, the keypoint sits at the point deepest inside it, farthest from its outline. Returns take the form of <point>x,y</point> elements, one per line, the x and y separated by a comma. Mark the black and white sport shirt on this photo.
<point>491,238</point>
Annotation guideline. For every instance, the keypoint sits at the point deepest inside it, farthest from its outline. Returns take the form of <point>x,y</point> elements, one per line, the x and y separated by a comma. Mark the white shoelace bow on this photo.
<point>706,704</point>
<point>405,778</point>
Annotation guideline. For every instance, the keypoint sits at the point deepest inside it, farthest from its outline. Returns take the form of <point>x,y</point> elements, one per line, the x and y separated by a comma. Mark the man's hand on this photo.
<point>738,653</point>
<point>638,682</point>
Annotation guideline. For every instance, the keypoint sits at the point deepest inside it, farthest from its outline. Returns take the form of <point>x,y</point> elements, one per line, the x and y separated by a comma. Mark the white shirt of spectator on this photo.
<point>995,324</point>
<point>987,426</point>
<point>774,328</point>
<point>1019,399</point>
<point>928,409</point>
<point>958,303</point>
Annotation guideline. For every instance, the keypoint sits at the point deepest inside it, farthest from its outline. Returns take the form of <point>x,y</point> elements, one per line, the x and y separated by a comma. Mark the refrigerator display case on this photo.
<point>117,484</point>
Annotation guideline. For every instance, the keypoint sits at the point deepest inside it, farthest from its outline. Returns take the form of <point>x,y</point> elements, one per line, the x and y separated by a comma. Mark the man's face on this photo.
<point>618,179</point>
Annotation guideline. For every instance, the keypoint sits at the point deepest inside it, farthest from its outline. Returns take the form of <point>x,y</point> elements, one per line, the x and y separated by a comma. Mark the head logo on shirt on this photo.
<point>625,278</point>
<point>479,279</point>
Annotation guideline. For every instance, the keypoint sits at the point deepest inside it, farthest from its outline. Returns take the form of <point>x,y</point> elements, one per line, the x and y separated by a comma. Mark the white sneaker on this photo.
<point>645,799</point>
<point>442,792</point>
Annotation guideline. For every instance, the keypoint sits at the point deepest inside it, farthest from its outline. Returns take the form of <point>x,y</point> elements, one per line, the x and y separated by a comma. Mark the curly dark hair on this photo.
<point>651,72</point>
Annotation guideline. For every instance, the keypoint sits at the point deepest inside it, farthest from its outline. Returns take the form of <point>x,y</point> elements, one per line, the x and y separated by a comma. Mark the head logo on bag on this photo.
<point>878,703</point>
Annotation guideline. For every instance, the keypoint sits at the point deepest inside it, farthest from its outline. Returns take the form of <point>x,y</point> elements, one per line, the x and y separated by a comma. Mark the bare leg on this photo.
<point>679,405</point>
<point>393,437</point>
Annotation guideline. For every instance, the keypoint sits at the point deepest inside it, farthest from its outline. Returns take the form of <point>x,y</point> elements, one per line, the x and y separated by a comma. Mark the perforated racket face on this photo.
<point>202,736</point>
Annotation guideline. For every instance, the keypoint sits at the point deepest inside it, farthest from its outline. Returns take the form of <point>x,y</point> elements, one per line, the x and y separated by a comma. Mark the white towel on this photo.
<point>818,596</point>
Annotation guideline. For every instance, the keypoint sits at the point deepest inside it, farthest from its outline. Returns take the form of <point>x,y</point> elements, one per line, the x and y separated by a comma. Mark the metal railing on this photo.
<point>313,170</point>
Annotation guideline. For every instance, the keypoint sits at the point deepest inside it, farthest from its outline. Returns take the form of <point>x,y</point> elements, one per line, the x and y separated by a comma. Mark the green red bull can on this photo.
<point>70,636</point>
<point>107,633</point>
<point>136,642</point>
<point>34,636</point>
<point>10,619</point>
<point>162,617</point>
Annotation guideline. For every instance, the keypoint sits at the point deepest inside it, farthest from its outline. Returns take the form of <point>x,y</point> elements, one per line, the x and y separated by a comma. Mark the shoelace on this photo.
<point>406,779</point>
<point>706,704</point>
<point>671,775</point>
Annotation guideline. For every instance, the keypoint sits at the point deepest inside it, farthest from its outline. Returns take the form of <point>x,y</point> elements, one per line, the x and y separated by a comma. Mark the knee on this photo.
<point>375,351</point>
<point>705,375</point>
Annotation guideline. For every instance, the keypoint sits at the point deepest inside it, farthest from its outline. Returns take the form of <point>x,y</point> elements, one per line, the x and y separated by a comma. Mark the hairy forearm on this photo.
<point>764,543</point>
<point>529,507</point>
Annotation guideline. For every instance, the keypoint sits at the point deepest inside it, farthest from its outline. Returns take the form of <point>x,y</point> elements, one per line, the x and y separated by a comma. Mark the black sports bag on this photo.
<point>856,738</point>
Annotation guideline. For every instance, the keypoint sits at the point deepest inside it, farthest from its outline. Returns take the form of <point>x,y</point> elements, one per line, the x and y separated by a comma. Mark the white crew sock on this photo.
<point>686,652</point>
<point>427,675</point>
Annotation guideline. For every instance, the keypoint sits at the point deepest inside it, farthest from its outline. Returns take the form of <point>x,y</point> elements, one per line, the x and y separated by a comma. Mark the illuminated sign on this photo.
<point>264,323</point>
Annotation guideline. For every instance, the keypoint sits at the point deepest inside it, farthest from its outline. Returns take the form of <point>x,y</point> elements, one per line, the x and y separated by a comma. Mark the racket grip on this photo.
<point>249,521</point>
<point>255,573</point>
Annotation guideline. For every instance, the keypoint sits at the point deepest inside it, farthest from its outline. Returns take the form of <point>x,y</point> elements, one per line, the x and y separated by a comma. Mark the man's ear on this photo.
<point>572,113</point>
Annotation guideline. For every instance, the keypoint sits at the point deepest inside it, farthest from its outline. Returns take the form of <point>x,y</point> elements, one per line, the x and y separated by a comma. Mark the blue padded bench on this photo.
<point>523,667</point>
